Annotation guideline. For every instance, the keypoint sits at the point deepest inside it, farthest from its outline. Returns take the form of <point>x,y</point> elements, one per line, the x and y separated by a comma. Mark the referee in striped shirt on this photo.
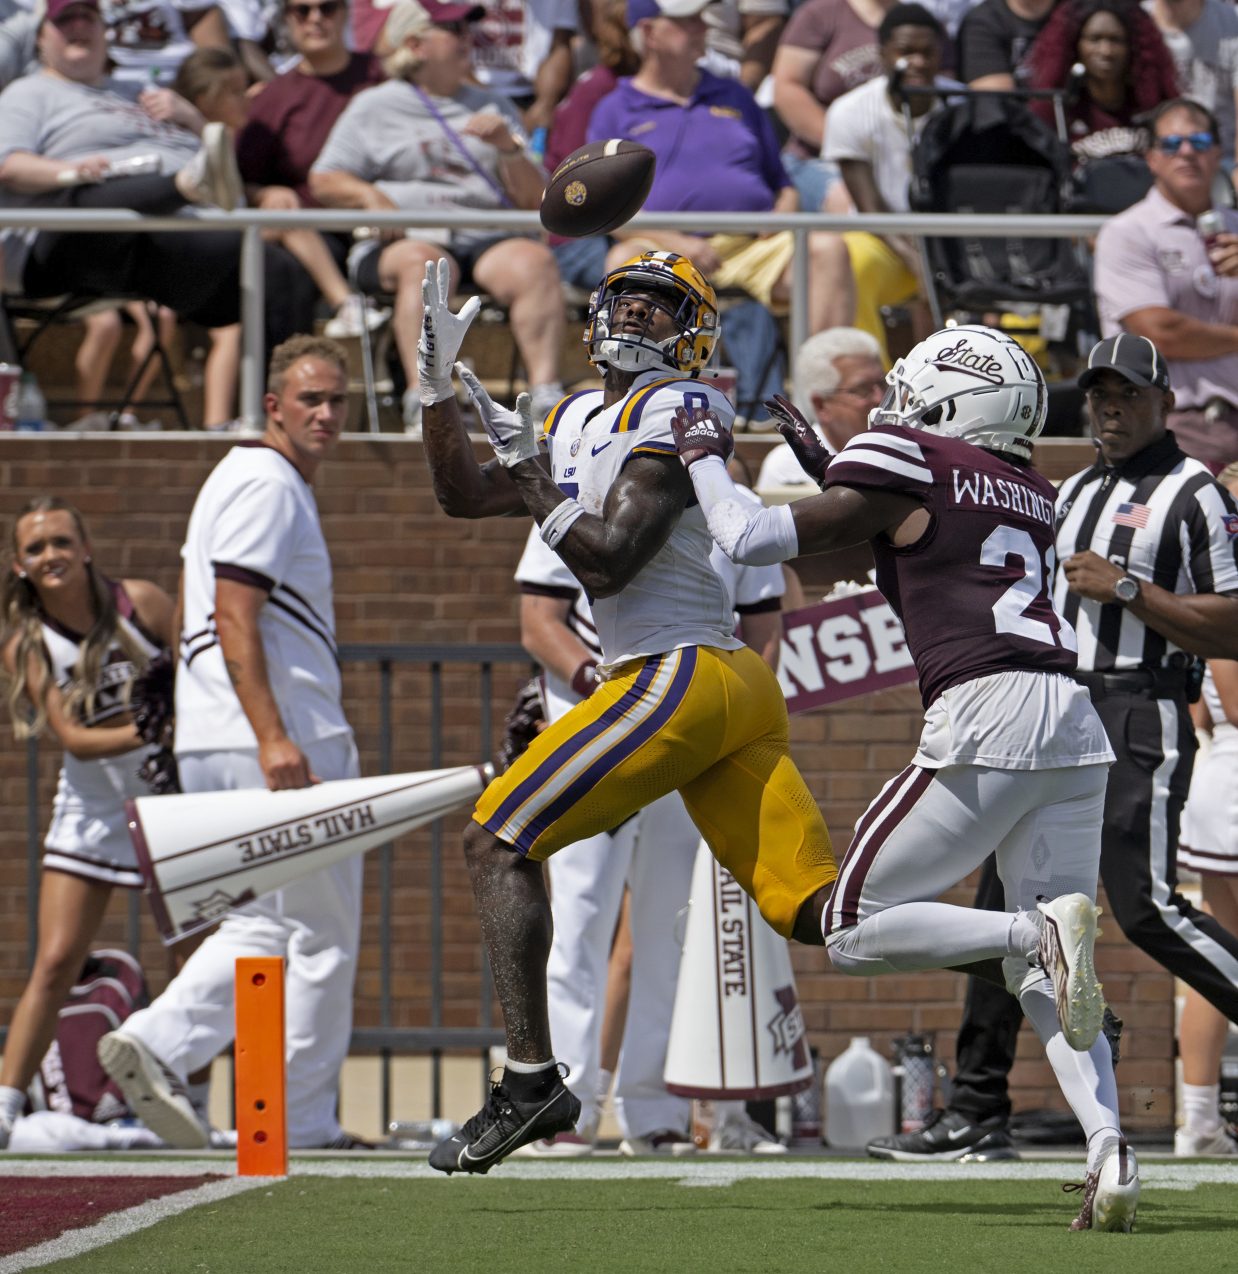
<point>1148,546</point>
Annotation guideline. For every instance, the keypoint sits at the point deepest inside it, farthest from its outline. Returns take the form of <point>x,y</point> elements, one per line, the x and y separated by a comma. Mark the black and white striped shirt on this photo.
<point>1162,517</point>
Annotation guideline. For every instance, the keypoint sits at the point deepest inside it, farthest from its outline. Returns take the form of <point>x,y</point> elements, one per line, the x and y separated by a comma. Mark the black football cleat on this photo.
<point>505,1124</point>
<point>948,1136</point>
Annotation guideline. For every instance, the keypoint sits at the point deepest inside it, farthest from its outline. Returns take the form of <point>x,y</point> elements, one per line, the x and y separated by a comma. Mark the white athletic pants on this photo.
<point>927,829</point>
<point>653,854</point>
<point>313,923</point>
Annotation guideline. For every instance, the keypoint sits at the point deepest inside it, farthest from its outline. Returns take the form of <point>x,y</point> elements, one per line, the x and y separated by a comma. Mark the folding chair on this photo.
<point>47,313</point>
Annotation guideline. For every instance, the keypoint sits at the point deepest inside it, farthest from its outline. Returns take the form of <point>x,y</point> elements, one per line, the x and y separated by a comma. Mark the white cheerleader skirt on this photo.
<point>1209,840</point>
<point>89,833</point>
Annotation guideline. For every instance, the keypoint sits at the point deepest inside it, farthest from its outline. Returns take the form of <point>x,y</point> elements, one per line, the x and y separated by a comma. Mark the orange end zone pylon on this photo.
<point>261,1094</point>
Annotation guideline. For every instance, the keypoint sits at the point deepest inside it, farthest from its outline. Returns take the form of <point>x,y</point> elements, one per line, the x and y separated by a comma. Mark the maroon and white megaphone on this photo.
<point>203,853</point>
<point>737,1030</point>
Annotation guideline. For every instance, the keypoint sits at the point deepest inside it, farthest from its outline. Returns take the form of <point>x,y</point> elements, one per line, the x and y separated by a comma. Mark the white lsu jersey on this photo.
<point>676,599</point>
<point>539,565</point>
<point>256,521</point>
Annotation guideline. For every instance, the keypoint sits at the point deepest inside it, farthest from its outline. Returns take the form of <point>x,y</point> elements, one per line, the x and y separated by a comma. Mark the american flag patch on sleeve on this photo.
<point>1135,515</point>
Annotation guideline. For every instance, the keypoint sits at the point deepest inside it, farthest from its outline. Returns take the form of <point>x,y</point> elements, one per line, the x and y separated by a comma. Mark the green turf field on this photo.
<point>548,1222</point>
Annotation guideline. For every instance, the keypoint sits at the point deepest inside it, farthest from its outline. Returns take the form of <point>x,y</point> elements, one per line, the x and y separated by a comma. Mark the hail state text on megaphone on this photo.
<point>737,1030</point>
<point>841,649</point>
<point>322,830</point>
<point>203,853</point>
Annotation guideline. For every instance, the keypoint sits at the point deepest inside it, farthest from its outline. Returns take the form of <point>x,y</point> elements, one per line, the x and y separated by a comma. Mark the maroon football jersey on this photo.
<point>974,594</point>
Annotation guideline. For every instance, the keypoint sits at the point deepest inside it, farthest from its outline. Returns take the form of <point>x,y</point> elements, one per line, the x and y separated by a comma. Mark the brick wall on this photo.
<point>407,573</point>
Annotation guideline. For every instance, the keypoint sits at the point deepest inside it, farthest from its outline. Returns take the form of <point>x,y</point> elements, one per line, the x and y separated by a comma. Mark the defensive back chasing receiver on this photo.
<point>1013,759</point>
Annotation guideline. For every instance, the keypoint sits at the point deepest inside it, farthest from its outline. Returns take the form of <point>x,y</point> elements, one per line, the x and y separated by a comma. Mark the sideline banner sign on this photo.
<point>841,649</point>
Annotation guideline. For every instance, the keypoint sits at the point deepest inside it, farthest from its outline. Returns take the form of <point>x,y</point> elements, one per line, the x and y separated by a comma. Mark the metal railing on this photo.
<point>384,1039</point>
<point>251,224</point>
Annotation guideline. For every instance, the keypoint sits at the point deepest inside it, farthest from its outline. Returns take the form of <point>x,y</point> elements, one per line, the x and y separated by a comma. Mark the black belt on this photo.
<point>1160,683</point>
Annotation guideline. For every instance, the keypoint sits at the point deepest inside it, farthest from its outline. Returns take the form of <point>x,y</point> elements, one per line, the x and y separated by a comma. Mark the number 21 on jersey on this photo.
<point>1010,610</point>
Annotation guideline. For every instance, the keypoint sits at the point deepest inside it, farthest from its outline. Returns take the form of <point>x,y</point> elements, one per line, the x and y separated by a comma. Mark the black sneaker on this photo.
<point>504,1124</point>
<point>947,1136</point>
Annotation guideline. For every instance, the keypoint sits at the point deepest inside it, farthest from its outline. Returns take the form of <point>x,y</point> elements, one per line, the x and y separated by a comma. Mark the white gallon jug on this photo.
<point>859,1097</point>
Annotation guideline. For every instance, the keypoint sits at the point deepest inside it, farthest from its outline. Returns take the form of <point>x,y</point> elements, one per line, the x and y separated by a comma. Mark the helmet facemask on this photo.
<point>667,285</point>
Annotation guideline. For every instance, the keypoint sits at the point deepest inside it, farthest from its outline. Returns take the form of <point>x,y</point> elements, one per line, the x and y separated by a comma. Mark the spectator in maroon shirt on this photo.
<point>291,117</point>
<point>1126,70</point>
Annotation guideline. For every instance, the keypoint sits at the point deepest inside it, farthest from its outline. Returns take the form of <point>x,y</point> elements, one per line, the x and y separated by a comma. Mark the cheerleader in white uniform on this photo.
<point>73,644</point>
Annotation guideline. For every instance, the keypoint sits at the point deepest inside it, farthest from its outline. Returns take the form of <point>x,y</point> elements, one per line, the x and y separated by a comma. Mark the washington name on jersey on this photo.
<point>989,542</point>
<point>676,599</point>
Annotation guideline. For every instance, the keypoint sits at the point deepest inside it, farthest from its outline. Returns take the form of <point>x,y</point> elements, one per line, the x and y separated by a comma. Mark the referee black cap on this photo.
<point>1134,357</point>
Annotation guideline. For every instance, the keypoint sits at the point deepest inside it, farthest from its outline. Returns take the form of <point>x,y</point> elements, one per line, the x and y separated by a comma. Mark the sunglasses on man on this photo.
<point>324,9</point>
<point>1171,143</point>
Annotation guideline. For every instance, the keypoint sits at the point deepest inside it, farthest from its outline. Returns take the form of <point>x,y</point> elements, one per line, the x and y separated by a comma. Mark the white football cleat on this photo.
<point>1067,954</point>
<point>155,1094</point>
<point>1111,1193</point>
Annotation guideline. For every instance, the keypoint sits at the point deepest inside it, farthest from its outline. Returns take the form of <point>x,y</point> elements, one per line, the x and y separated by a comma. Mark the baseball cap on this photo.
<point>1134,357</point>
<point>416,17</point>
<point>640,9</point>
<point>56,9</point>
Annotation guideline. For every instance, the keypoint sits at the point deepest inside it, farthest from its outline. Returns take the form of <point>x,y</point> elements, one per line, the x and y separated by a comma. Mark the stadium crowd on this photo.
<point>750,106</point>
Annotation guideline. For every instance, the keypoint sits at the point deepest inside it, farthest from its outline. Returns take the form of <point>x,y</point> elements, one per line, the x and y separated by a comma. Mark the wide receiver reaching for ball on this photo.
<point>682,704</point>
<point>1013,758</point>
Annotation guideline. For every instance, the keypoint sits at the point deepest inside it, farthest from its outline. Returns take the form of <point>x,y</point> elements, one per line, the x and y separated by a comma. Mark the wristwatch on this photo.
<point>1126,589</point>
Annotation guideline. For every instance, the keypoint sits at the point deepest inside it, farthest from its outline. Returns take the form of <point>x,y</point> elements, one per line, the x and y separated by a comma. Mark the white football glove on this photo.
<point>442,333</point>
<point>512,434</point>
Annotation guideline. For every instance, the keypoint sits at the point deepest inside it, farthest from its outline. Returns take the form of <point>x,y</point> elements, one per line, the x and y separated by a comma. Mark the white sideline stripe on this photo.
<point>1163,1174</point>
<point>120,1225</point>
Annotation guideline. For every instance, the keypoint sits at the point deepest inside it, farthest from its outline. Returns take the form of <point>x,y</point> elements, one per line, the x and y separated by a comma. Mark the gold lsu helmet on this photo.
<point>681,290</point>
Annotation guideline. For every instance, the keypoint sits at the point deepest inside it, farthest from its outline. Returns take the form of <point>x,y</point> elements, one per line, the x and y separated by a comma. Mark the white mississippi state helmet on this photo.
<point>683,292</point>
<point>974,383</point>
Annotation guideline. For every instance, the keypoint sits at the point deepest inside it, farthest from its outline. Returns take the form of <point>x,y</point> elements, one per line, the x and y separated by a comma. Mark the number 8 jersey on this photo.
<point>974,594</point>
<point>676,599</point>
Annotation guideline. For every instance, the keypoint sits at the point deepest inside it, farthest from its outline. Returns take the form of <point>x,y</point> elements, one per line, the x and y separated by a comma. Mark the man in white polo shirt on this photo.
<point>1157,277</point>
<point>258,706</point>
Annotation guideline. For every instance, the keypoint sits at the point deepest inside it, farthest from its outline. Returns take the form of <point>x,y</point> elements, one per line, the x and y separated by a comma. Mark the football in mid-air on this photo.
<point>597,188</point>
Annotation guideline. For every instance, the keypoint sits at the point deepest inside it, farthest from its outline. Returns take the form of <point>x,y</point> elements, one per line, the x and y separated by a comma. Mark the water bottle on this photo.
<point>859,1097</point>
<point>31,405</point>
<point>1229,1080</point>
<point>919,1080</point>
<point>10,387</point>
<point>420,1134</point>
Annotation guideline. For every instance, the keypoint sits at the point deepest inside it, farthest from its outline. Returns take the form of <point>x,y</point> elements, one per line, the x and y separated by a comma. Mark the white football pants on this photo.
<point>314,923</point>
<point>927,830</point>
